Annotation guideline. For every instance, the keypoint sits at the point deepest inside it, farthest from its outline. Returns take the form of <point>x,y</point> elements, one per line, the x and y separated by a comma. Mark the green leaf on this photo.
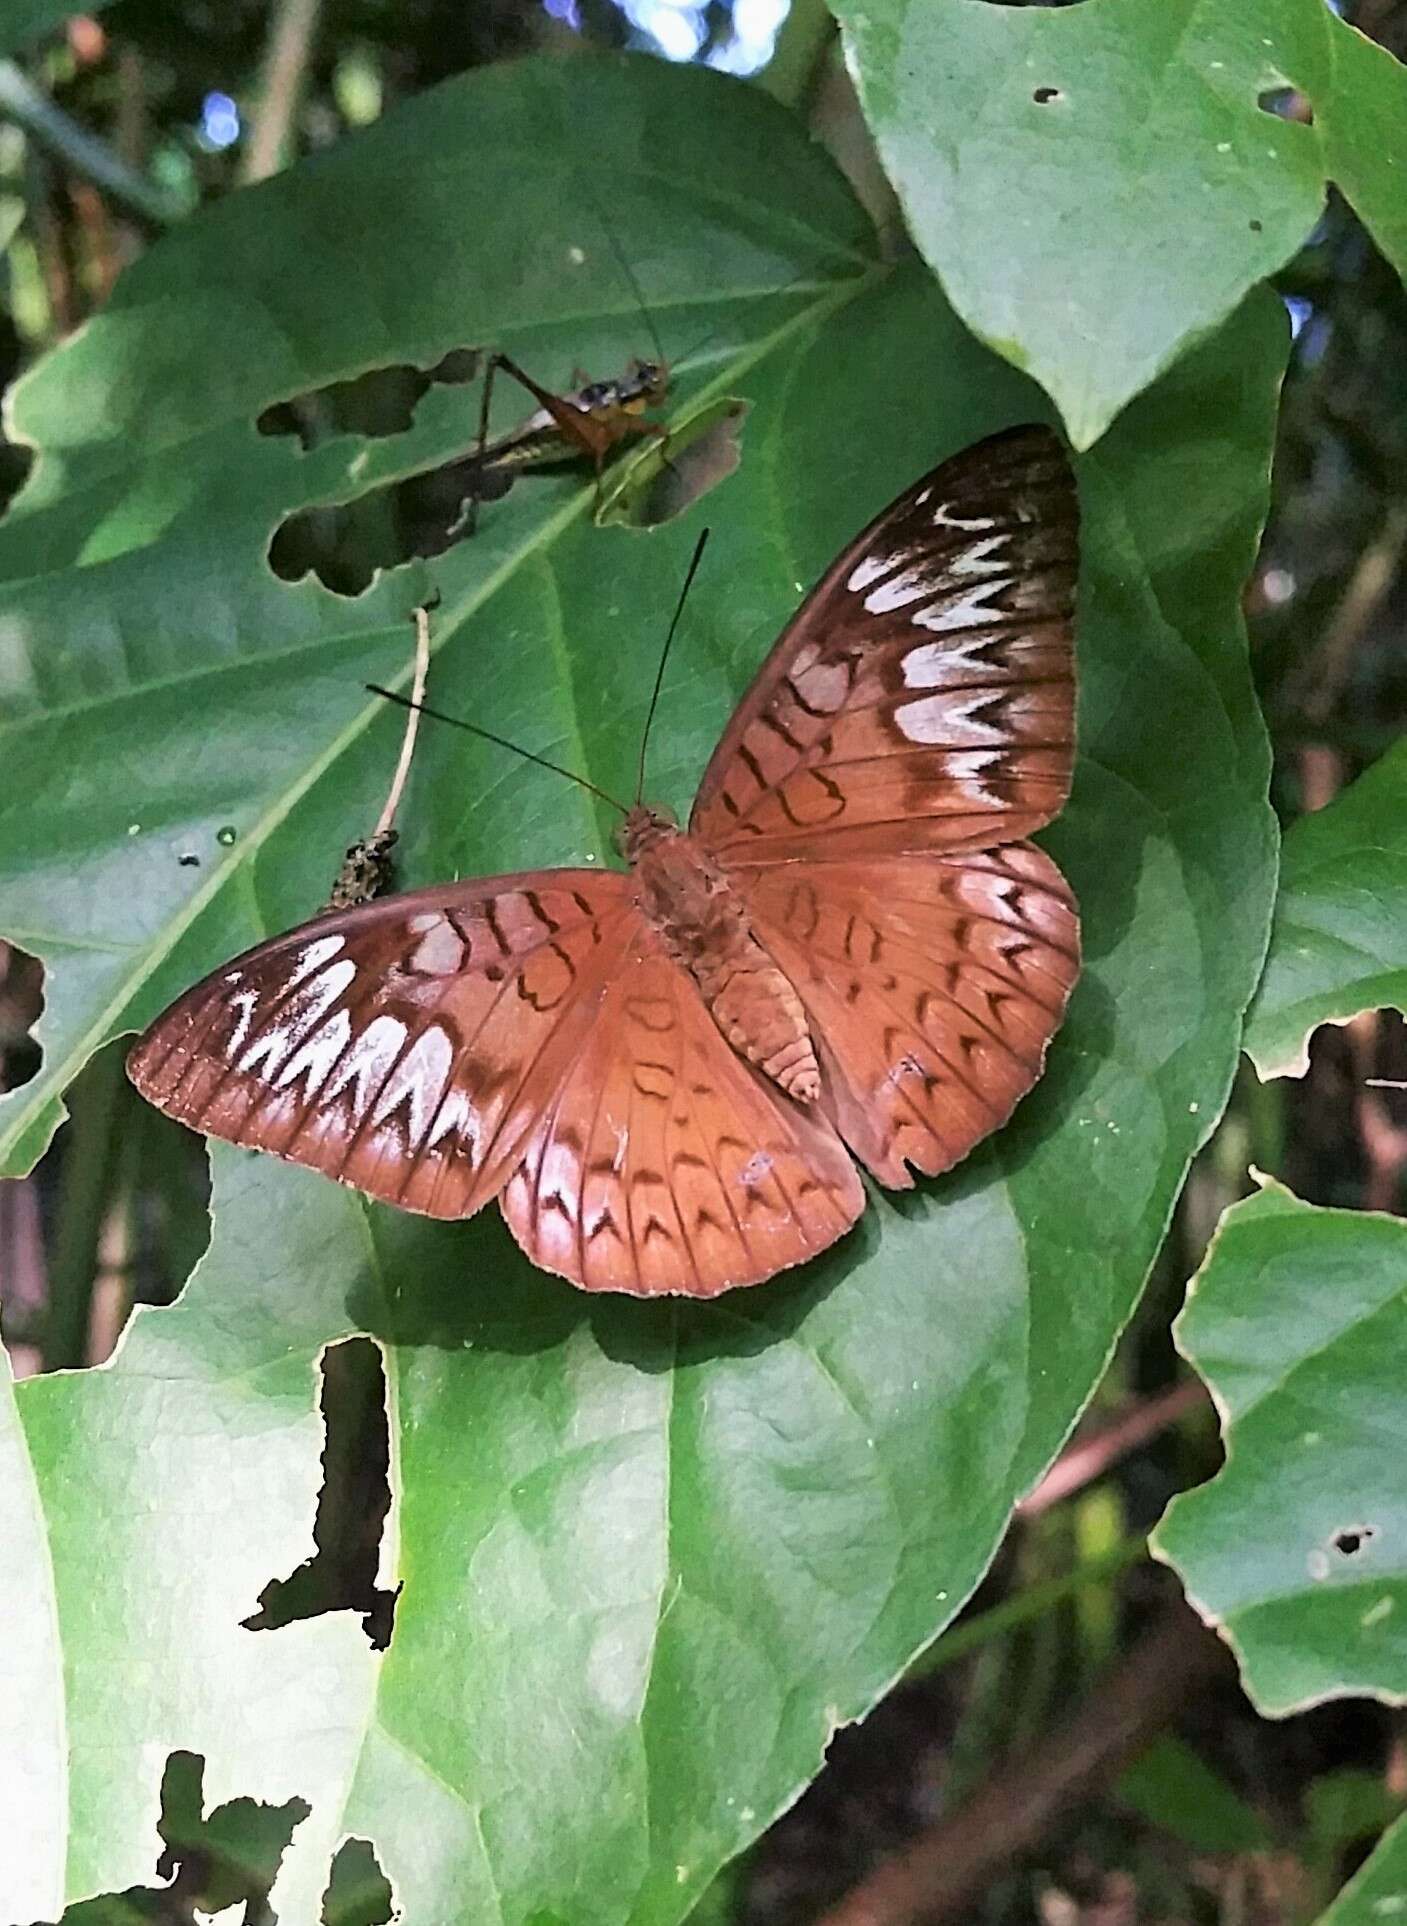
<point>1097,186</point>
<point>33,1795</point>
<point>1173,1787</point>
<point>1377,1893</point>
<point>1342,1809</point>
<point>1362,114</point>
<point>651,1554</point>
<point>1297,1550</point>
<point>1336,945</point>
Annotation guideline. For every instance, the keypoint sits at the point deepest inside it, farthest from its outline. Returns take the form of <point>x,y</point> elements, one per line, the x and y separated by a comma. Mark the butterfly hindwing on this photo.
<point>932,986</point>
<point>667,1163</point>
<point>922,698</point>
<point>405,1046</point>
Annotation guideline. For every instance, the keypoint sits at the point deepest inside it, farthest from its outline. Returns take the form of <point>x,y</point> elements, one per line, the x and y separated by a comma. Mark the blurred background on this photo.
<point>1132,1802</point>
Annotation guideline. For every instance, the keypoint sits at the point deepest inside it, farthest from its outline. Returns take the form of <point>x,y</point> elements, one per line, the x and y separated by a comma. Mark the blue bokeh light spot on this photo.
<point>1300,311</point>
<point>678,29</point>
<point>219,121</point>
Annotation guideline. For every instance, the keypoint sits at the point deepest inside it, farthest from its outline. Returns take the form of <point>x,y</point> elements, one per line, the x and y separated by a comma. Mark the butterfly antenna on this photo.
<point>692,571</point>
<point>500,742</point>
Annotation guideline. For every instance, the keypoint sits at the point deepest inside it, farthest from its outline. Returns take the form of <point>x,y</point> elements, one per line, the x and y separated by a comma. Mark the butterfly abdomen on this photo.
<point>754,1005</point>
<point>704,925</point>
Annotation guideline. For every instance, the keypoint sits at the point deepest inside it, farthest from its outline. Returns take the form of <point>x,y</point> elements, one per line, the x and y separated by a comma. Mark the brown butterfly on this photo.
<point>657,1071</point>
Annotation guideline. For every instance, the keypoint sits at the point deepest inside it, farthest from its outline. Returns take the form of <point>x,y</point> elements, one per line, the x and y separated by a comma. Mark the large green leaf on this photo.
<point>32,1788</point>
<point>1336,946</point>
<point>651,1554</point>
<point>1097,185</point>
<point>1297,1550</point>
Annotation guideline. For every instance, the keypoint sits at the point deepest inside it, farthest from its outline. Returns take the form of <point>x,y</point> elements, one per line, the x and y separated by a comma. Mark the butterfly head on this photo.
<point>644,826</point>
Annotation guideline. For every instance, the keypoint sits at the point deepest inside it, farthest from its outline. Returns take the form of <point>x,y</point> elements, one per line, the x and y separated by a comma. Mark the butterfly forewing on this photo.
<point>665,1162</point>
<point>405,1047</point>
<point>932,986</point>
<point>923,696</point>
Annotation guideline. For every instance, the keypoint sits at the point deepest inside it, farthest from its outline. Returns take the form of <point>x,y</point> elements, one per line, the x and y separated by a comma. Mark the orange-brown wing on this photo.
<point>405,1047</point>
<point>666,1163</point>
<point>932,986</point>
<point>922,698</point>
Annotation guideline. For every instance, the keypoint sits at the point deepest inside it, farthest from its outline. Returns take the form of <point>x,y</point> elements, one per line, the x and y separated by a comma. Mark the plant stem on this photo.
<point>1029,1604</point>
<point>90,1160</point>
<point>941,1873</point>
<point>386,820</point>
<point>29,107</point>
<point>1090,1457</point>
<point>290,45</point>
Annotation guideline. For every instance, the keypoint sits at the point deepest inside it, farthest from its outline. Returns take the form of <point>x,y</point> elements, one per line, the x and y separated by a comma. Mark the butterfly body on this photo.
<point>852,949</point>
<point>703,924</point>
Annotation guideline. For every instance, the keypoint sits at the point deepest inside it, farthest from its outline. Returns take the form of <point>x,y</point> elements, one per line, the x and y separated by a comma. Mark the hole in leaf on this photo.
<point>21,1001</point>
<point>114,1215</point>
<point>24,1275</point>
<point>380,402</point>
<point>209,1863</point>
<point>345,543</point>
<point>1286,103</point>
<point>16,458</point>
<point>358,1893</point>
<point>672,473</point>
<point>1353,1538</point>
<point>1043,95</point>
<point>352,1505</point>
